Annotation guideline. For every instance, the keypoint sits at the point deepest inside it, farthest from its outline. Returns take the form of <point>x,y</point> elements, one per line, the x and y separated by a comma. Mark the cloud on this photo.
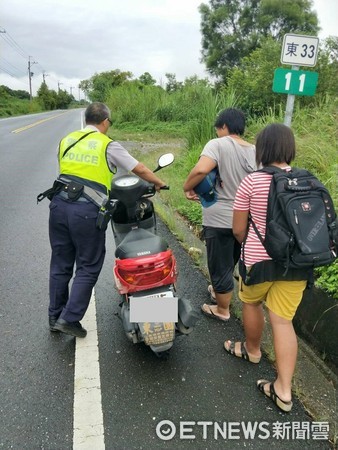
<point>71,40</point>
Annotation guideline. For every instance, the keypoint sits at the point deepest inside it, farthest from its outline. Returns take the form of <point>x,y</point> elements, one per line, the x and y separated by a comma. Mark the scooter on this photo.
<point>145,269</point>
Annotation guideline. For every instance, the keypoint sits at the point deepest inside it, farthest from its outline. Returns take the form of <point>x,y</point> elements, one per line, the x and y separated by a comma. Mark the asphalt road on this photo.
<point>200,389</point>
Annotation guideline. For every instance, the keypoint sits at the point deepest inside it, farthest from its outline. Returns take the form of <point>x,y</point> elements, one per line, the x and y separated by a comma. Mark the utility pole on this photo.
<point>44,75</point>
<point>71,90</point>
<point>30,74</point>
<point>59,84</point>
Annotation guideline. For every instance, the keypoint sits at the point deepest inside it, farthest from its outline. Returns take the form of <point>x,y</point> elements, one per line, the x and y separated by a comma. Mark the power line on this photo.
<point>13,76</point>
<point>8,72</point>
<point>11,42</point>
<point>11,67</point>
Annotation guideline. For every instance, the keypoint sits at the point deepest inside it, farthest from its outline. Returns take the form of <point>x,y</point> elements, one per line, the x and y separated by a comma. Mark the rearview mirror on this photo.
<point>164,160</point>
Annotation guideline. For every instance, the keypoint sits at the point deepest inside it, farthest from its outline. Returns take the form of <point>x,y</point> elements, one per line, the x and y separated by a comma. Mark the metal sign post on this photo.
<point>290,101</point>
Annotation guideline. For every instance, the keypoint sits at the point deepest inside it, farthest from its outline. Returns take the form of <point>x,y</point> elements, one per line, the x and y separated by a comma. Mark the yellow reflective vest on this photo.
<point>86,159</point>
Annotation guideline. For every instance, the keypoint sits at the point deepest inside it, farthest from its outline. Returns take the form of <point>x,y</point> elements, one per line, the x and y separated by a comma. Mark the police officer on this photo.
<point>88,160</point>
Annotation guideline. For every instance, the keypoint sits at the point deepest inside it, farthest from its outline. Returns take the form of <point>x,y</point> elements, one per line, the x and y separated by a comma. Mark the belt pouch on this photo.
<point>104,216</point>
<point>74,190</point>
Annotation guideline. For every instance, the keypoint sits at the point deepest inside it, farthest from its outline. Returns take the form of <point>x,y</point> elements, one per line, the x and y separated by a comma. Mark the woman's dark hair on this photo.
<point>234,120</point>
<point>96,113</point>
<point>275,143</point>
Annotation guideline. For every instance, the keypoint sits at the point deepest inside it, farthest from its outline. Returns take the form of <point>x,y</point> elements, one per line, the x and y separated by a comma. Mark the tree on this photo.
<point>46,97</point>
<point>97,88</point>
<point>327,67</point>
<point>173,85</point>
<point>5,91</point>
<point>253,78</point>
<point>195,81</point>
<point>63,99</point>
<point>147,79</point>
<point>232,29</point>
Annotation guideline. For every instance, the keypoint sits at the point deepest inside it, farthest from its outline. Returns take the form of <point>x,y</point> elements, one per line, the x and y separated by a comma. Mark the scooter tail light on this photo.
<point>147,271</point>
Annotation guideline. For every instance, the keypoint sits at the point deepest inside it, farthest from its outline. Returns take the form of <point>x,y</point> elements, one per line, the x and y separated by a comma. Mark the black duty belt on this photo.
<point>74,191</point>
<point>63,194</point>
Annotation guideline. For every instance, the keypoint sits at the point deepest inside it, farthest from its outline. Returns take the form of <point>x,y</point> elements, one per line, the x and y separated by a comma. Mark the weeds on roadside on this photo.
<point>191,120</point>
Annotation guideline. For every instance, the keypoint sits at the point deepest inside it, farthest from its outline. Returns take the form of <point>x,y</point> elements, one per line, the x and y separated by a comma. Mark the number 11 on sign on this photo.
<point>294,82</point>
<point>288,82</point>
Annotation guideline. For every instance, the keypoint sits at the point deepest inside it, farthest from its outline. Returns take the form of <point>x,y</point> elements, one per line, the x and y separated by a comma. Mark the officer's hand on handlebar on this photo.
<point>159,188</point>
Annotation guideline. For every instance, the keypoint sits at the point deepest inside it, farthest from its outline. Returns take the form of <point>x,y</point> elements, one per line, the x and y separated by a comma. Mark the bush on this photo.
<point>327,279</point>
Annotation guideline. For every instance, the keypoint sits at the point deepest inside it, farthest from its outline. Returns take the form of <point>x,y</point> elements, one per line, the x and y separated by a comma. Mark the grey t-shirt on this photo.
<point>234,161</point>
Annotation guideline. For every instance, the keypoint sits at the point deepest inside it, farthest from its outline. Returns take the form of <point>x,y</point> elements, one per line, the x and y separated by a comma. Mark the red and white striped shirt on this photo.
<point>252,196</point>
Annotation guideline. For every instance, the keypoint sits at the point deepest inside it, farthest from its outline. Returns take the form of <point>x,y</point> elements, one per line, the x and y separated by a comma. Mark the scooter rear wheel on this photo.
<point>182,328</point>
<point>163,355</point>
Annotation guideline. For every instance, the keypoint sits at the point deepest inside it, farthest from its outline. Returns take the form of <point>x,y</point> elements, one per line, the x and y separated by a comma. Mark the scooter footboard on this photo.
<point>188,315</point>
<point>130,329</point>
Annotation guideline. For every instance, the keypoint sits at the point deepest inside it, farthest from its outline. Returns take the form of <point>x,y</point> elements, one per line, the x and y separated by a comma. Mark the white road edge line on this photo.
<point>88,433</point>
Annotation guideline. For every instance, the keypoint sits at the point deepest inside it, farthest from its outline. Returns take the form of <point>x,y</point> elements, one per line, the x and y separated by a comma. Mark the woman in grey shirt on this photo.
<point>234,158</point>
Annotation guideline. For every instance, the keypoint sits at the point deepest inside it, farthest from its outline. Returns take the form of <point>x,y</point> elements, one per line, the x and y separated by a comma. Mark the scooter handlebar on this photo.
<point>166,188</point>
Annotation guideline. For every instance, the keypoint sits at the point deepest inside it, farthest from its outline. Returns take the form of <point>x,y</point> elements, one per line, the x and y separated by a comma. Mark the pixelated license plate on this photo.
<point>160,307</point>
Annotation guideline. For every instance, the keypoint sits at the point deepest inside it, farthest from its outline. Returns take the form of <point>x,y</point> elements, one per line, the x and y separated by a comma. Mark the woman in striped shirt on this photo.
<point>275,146</point>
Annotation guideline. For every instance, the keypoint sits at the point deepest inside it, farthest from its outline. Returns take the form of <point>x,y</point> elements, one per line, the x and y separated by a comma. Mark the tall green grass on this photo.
<point>317,137</point>
<point>189,114</point>
<point>201,128</point>
<point>315,131</point>
<point>132,103</point>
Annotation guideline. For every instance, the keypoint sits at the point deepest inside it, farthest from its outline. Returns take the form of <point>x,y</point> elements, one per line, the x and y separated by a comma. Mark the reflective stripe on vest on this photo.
<point>87,159</point>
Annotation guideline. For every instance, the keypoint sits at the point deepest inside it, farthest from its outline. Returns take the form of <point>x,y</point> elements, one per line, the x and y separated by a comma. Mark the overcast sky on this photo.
<point>71,40</point>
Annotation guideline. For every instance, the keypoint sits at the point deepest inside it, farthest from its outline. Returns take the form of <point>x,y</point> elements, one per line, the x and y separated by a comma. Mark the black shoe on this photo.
<point>52,322</point>
<point>72,328</point>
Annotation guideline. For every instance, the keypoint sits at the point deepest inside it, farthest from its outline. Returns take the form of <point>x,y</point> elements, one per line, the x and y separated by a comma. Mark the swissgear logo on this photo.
<point>318,225</point>
<point>306,207</point>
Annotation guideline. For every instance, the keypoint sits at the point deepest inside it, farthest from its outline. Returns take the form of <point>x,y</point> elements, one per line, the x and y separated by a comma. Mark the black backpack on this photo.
<point>301,223</point>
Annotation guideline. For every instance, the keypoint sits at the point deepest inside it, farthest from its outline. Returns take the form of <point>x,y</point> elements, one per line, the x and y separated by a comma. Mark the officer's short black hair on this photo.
<point>275,143</point>
<point>233,119</point>
<point>96,112</point>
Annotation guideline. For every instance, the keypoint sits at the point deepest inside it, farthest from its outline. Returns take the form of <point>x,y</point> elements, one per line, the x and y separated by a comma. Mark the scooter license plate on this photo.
<point>160,307</point>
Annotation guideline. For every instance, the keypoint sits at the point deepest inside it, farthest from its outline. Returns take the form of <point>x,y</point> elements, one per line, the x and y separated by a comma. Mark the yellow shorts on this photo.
<point>281,297</point>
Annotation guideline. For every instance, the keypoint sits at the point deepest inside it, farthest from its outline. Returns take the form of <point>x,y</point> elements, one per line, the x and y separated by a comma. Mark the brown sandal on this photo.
<point>207,311</point>
<point>212,295</point>
<point>284,406</point>
<point>243,352</point>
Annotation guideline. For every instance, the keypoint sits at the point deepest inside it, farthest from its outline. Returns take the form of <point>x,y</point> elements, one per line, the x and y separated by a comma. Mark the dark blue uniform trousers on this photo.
<point>74,239</point>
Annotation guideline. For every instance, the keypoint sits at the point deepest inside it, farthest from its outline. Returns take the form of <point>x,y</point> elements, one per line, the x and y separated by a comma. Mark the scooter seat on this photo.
<point>140,242</point>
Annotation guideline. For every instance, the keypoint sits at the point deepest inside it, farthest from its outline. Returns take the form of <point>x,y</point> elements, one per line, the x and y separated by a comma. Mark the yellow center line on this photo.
<point>18,130</point>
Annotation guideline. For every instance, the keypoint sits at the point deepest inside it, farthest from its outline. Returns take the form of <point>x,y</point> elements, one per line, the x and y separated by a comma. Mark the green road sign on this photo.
<point>295,82</point>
